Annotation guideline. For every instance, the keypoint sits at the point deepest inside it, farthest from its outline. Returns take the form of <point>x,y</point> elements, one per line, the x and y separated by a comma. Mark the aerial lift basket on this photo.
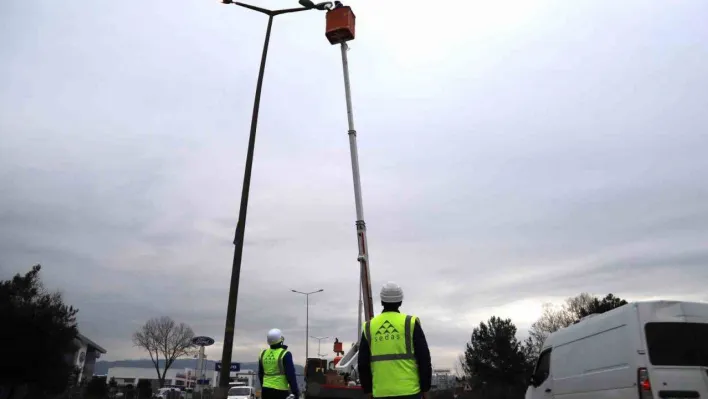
<point>340,25</point>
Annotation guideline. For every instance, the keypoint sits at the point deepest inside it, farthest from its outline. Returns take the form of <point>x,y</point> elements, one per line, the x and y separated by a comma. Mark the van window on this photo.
<point>677,344</point>
<point>543,368</point>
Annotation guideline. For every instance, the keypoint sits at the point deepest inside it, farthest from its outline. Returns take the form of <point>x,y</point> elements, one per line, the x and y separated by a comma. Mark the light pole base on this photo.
<point>221,393</point>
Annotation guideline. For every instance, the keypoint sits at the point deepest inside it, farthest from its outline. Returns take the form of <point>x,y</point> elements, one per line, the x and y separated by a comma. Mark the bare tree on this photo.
<point>553,319</point>
<point>578,306</point>
<point>164,340</point>
<point>460,373</point>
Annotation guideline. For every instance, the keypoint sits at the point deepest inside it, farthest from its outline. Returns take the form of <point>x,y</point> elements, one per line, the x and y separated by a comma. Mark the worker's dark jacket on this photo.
<point>420,351</point>
<point>289,371</point>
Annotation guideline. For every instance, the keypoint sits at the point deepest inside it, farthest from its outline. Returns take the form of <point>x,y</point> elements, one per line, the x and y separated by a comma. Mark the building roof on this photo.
<point>150,372</point>
<point>90,343</point>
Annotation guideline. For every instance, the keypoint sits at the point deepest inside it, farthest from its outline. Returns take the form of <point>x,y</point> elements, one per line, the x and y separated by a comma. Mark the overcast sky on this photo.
<point>512,153</point>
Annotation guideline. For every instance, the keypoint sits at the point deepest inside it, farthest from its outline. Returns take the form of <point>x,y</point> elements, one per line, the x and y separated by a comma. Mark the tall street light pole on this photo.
<point>319,345</point>
<point>241,224</point>
<point>307,321</point>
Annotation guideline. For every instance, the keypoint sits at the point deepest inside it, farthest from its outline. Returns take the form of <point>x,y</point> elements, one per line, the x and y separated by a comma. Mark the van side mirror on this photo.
<point>532,380</point>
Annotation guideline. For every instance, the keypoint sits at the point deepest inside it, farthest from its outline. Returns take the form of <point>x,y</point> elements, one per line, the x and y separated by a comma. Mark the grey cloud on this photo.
<point>531,156</point>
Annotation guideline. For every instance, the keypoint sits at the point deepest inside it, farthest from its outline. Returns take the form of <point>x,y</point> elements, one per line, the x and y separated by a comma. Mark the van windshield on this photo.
<point>239,391</point>
<point>677,344</point>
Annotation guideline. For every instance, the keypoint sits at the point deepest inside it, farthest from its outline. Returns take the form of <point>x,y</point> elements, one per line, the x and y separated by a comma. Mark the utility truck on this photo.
<point>338,379</point>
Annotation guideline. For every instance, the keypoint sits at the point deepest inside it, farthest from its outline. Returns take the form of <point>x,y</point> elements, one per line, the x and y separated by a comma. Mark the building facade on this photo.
<point>182,377</point>
<point>131,375</point>
<point>85,355</point>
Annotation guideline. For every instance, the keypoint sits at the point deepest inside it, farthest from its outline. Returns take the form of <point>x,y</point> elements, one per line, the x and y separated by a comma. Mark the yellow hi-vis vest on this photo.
<point>394,369</point>
<point>273,369</point>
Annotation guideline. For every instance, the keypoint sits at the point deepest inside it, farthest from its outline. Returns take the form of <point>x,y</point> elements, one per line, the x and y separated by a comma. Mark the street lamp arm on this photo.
<point>290,10</point>
<point>320,6</point>
<point>307,293</point>
<point>250,7</point>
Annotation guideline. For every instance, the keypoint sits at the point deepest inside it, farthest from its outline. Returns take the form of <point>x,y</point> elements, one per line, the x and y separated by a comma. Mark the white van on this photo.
<point>642,350</point>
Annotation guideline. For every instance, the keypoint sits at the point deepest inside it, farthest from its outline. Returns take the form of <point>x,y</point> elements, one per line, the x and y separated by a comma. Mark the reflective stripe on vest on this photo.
<point>393,365</point>
<point>274,369</point>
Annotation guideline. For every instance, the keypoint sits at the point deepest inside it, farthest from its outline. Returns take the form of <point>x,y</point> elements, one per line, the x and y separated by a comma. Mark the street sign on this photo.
<point>234,366</point>
<point>203,341</point>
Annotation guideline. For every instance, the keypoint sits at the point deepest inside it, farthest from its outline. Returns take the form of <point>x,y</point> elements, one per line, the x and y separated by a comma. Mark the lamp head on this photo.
<point>326,5</point>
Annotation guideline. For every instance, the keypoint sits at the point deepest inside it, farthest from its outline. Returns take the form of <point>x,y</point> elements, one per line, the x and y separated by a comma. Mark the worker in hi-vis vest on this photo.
<point>276,371</point>
<point>394,358</point>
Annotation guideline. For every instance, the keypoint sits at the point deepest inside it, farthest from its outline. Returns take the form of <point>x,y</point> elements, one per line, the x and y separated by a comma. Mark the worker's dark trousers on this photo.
<point>270,393</point>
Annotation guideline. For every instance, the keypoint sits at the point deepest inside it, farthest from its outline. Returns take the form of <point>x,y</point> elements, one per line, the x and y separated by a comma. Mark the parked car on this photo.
<point>241,392</point>
<point>167,393</point>
<point>655,349</point>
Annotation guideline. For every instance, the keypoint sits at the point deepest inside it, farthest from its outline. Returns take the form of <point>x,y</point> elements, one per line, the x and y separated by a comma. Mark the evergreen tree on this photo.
<point>494,361</point>
<point>39,333</point>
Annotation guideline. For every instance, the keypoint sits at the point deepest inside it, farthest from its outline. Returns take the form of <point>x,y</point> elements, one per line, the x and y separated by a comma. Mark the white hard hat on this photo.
<point>391,293</point>
<point>275,337</point>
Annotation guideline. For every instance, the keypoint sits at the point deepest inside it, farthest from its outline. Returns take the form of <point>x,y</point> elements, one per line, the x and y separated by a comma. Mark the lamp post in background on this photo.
<point>307,321</point>
<point>241,224</point>
<point>319,344</point>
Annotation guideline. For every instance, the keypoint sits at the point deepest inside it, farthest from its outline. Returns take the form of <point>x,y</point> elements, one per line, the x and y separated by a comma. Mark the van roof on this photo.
<point>673,311</point>
<point>650,310</point>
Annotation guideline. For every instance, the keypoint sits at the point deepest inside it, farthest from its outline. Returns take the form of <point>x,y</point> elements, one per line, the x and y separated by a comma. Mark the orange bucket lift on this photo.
<point>338,350</point>
<point>341,23</point>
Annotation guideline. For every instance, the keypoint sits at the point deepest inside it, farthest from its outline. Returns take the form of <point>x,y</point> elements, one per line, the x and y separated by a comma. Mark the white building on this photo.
<point>176,377</point>
<point>85,356</point>
<point>442,379</point>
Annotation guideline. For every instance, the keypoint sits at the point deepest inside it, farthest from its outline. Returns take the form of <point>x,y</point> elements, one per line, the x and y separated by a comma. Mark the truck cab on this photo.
<point>333,379</point>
